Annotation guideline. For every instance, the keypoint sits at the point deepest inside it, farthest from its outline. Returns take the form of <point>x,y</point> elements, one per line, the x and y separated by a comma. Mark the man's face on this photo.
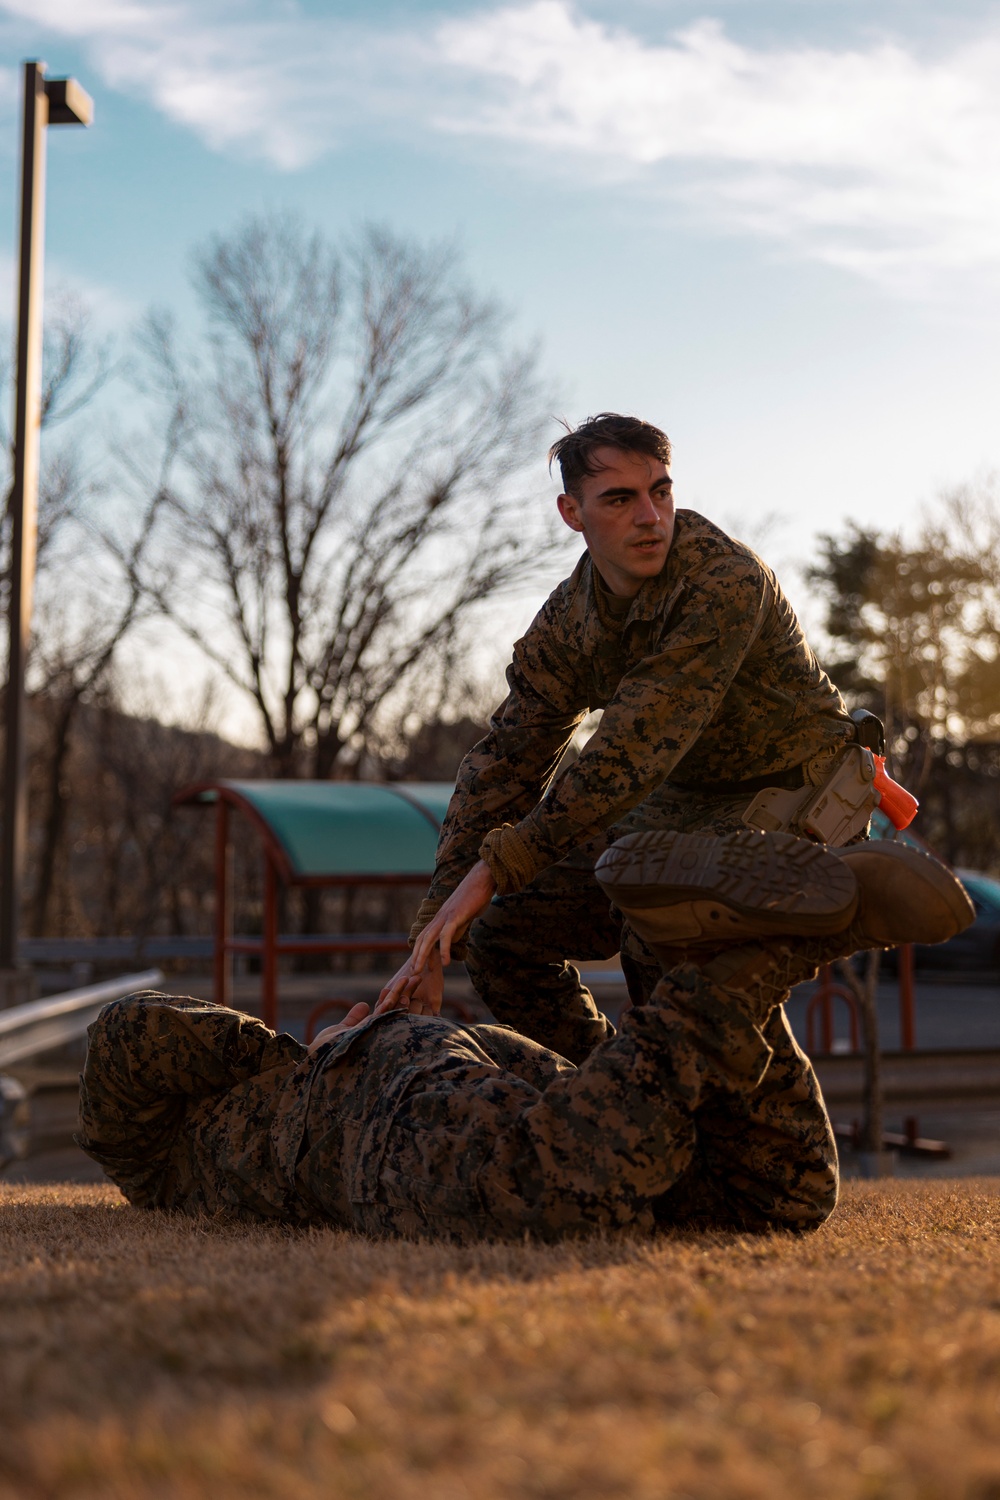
<point>626,515</point>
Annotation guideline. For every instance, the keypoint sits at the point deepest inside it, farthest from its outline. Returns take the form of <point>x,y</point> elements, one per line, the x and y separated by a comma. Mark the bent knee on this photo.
<point>129,1022</point>
<point>123,1015</point>
<point>810,1204</point>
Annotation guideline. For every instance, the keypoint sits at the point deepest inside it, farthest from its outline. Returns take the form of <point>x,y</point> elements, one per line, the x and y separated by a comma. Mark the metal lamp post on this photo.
<point>54,101</point>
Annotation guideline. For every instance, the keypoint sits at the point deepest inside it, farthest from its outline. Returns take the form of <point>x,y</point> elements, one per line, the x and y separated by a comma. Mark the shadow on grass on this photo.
<point>104,1306</point>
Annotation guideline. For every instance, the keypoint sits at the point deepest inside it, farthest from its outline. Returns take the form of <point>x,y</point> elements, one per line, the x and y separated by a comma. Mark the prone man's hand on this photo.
<point>421,993</point>
<point>354,1017</point>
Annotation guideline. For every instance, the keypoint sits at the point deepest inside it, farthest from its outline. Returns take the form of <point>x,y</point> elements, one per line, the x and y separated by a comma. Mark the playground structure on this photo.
<point>820,1017</point>
<point>319,835</point>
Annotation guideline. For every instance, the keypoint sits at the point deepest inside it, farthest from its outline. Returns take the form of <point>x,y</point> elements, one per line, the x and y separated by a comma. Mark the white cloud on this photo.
<point>873,159</point>
<point>252,77</point>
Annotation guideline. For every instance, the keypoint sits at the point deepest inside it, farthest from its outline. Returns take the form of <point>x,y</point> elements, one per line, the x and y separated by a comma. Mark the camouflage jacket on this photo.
<point>707,679</point>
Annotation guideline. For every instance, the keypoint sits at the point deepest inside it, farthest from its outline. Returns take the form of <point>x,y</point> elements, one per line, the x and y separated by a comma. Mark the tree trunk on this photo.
<point>872,1159</point>
<point>55,816</point>
<point>872,1126</point>
<point>325,754</point>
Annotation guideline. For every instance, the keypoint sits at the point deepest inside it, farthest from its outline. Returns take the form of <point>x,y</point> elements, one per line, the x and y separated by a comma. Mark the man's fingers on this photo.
<point>397,996</point>
<point>438,933</point>
<point>399,981</point>
<point>423,945</point>
<point>354,1017</point>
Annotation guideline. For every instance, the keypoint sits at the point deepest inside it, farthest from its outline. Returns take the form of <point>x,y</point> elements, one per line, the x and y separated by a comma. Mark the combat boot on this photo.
<point>904,896</point>
<point>760,975</point>
<point>684,888</point>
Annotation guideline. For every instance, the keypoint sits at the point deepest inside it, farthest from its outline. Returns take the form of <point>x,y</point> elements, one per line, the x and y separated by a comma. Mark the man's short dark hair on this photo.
<point>575,451</point>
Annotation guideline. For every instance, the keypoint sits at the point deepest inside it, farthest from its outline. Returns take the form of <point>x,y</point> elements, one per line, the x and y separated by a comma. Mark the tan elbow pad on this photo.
<point>429,907</point>
<point>509,862</point>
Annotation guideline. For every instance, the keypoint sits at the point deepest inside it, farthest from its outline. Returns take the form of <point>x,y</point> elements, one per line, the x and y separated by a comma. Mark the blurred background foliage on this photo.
<point>912,632</point>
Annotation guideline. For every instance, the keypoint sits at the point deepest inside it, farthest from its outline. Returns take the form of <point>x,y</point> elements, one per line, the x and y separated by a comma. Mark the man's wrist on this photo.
<point>428,910</point>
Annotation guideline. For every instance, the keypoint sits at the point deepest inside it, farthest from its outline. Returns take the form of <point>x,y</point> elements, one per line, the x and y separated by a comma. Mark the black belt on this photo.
<point>791,779</point>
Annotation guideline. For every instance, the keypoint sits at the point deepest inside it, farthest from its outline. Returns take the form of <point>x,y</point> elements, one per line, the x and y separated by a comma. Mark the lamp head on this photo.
<point>69,104</point>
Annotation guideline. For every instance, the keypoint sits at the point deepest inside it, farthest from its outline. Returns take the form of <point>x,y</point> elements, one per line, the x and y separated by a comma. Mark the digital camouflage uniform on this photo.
<point>709,690</point>
<point>419,1126</point>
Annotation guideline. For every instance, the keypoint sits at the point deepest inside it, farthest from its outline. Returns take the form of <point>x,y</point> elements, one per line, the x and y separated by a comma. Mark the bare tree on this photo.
<point>87,597</point>
<point>354,426</point>
<point>75,367</point>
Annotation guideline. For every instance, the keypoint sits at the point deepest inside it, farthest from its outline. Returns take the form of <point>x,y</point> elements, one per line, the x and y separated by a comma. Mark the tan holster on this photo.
<point>834,812</point>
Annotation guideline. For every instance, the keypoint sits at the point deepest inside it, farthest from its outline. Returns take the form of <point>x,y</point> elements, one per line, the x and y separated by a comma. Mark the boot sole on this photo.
<point>780,883</point>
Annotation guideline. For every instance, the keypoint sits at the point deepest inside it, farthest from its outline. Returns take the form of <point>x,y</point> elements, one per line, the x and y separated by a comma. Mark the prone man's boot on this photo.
<point>686,889</point>
<point>680,889</point>
<point>760,975</point>
<point>904,896</point>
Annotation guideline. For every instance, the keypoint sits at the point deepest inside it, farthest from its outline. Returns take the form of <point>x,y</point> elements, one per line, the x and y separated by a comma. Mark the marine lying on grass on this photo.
<point>702,1109</point>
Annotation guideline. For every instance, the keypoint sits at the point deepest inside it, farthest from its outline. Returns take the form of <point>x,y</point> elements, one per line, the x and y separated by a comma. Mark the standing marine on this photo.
<point>716,717</point>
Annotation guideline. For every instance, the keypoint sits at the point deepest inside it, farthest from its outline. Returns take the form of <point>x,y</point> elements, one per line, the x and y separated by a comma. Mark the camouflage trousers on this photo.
<point>419,1126</point>
<point>518,951</point>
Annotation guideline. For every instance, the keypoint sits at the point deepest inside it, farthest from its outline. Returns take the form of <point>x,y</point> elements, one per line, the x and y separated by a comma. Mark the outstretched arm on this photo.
<point>419,984</point>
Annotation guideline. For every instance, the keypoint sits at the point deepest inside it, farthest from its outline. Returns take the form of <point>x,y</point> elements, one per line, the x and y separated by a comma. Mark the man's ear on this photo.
<point>569,509</point>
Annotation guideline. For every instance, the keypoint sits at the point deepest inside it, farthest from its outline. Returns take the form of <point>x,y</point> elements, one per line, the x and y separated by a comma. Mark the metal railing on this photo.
<point>26,1030</point>
<point>113,949</point>
<point>157,949</point>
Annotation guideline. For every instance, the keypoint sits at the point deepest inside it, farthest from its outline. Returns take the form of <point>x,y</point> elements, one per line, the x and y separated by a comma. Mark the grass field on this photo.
<point>152,1356</point>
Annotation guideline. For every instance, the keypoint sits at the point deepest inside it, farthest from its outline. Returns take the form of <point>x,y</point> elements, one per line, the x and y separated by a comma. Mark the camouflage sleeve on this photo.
<point>506,774</point>
<point>658,711</point>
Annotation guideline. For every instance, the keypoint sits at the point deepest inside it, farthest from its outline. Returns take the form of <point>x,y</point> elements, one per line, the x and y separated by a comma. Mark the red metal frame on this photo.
<point>821,1006</point>
<point>907,1007</point>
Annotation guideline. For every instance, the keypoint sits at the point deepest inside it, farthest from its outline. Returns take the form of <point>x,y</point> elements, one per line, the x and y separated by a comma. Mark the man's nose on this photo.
<point>645,513</point>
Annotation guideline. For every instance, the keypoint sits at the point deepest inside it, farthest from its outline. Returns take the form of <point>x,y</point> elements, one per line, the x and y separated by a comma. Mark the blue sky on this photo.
<point>773,228</point>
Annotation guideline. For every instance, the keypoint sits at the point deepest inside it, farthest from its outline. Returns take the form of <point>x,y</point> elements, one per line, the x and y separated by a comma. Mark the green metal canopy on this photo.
<point>332,831</point>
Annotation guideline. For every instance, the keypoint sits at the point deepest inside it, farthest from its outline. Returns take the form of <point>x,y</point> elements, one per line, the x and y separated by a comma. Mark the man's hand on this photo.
<point>421,993</point>
<point>419,985</point>
<point>466,902</point>
<point>354,1017</point>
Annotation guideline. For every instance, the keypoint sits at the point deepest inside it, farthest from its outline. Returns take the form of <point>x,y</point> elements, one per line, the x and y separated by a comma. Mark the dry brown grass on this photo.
<point>150,1356</point>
